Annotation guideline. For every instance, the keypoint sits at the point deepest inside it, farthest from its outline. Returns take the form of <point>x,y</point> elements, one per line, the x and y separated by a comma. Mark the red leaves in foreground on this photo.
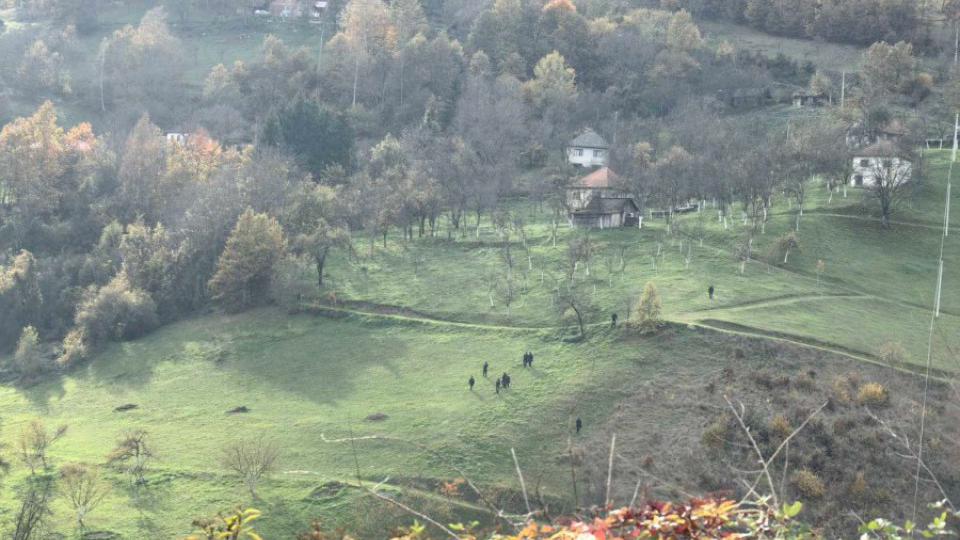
<point>699,518</point>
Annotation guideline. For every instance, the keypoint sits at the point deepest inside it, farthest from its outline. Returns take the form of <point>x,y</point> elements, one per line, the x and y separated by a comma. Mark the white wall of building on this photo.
<point>587,157</point>
<point>866,169</point>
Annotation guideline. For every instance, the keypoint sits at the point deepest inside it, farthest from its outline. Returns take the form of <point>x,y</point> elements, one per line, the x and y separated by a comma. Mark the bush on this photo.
<point>74,348</point>
<point>842,390</point>
<point>858,488</point>
<point>647,317</point>
<point>715,436</point>
<point>28,358</point>
<point>805,382</point>
<point>116,311</point>
<point>873,395</point>
<point>780,426</point>
<point>808,484</point>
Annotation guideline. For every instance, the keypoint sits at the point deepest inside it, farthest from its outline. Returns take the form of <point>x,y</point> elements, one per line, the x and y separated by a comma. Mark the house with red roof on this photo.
<point>598,201</point>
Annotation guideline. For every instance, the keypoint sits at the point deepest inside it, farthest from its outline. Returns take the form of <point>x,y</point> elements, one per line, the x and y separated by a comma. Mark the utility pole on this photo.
<point>843,88</point>
<point>956,131</point>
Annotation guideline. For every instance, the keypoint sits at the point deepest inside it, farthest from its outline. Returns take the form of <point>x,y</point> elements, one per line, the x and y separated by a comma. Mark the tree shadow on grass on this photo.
<point>324,364</point>
<point>41,393</point>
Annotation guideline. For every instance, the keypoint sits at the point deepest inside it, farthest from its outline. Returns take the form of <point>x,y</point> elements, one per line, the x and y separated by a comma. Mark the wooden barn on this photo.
<point>597,201</point>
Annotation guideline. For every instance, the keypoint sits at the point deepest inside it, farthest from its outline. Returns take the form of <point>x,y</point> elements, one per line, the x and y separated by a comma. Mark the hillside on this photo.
<point>325,375</point>
<point>260,255</point>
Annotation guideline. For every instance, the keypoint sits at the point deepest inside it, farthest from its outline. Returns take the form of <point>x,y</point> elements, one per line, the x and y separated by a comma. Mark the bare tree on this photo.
<point>572,299</point>
<point>83,489</point>
<point>891,183</point>
<point>34,508</point>
<point>133,453</point>
<point>34,441</point>
<point>251,460</point>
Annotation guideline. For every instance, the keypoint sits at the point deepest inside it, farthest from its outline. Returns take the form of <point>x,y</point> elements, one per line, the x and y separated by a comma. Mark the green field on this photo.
<point>307,380</point>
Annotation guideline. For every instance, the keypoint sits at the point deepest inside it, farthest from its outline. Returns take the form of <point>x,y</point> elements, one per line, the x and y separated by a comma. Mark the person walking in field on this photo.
<point>710,291</point>
<point>498,386</point>
<point>530,361</point>
<point>471,382</point>
<point>579,425</point>
<point>485,367</point>
<point>613,320</point>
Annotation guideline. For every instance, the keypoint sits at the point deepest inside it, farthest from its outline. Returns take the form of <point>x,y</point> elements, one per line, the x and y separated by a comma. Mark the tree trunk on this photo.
<point>320,260</point>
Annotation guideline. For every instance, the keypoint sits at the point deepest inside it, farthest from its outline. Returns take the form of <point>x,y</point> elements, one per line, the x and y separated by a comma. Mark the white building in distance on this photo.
<point>880,163</point>
<point>588,149</point>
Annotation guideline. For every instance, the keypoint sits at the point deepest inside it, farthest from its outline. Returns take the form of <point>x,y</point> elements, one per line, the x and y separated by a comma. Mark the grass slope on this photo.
<point>305,379</point>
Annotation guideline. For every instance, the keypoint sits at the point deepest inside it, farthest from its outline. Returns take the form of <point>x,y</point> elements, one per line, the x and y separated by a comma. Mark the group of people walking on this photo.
<point>503,381</point>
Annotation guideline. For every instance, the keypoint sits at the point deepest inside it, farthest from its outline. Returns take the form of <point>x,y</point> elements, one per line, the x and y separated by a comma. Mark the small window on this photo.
<point>864,162</point>
<point>858,179</point>
<point>598,153</point>
<point>578,152</point>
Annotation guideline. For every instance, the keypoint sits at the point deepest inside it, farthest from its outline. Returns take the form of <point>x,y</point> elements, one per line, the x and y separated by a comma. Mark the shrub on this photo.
<point>780,426</point>
<point>842,390</point>
<point>808,484</point>
<point>116,311</point>
<point>647,316</point>
<point>873,395</point>
<point>74,348</point>
<point>715,436</point>
<point>28,358</point>
<point>805,382</point>
<point>858,487</point>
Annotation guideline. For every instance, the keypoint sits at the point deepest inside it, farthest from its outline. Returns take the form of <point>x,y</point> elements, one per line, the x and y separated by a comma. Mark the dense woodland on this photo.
<point>414,121</point>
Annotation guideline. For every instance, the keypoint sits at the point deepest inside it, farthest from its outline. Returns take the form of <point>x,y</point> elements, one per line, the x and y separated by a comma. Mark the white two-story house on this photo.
<point>880,162</point>
<point>588,149</point>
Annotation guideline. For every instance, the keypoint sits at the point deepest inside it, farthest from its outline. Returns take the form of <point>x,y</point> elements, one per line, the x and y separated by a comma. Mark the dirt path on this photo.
<point>777,301</point>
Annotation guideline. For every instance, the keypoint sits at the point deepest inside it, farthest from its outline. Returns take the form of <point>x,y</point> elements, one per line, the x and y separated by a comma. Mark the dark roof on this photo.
<point>604,205</point>
<point>601,178</point>
<point>880,149</point>
<point>806,94</point>
<point>589,139</point>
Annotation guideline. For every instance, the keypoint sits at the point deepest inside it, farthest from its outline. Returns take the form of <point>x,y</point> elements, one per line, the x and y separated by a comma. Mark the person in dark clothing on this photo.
<point>579,424</point>
<point>710,291</point>
<point>526,357</point>
<point>506,381</point>
<point>472,382</point>
<point>530,362</point>
<point>485,367</point>
<point>498,386</point>
<point>613,320</point>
